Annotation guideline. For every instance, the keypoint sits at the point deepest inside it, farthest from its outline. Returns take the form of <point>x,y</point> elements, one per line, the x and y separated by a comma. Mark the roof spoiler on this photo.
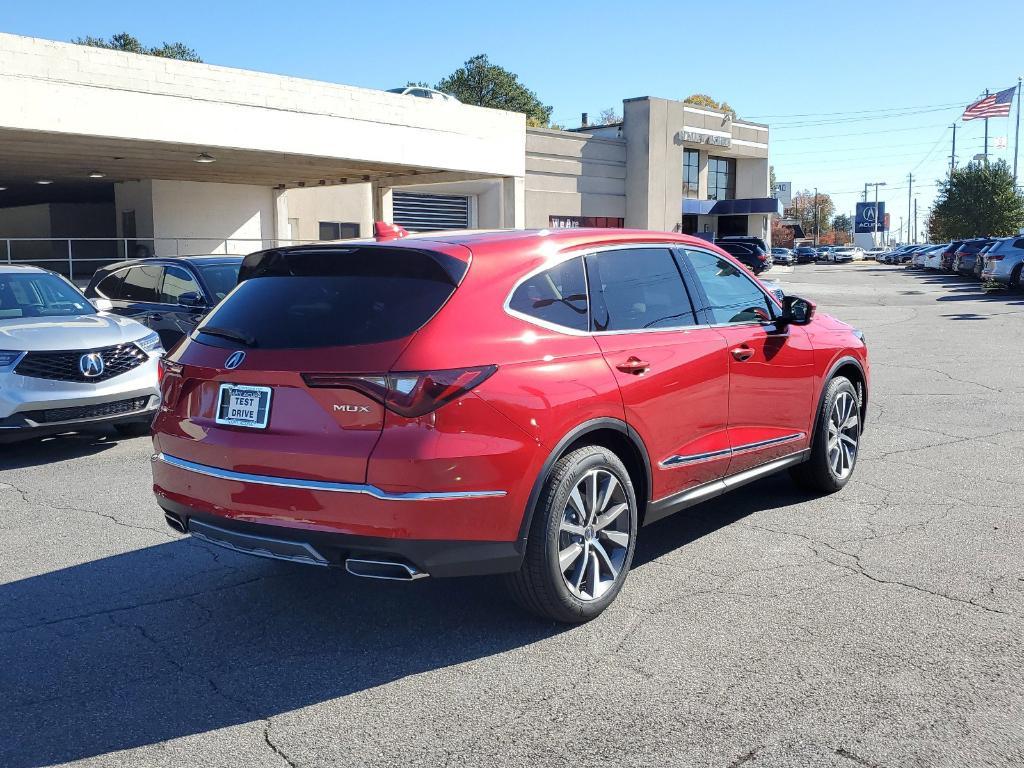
<point>382,231</point>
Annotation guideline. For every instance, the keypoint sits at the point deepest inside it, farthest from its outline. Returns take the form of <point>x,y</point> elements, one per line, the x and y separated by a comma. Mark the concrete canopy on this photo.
<point>70,110</point>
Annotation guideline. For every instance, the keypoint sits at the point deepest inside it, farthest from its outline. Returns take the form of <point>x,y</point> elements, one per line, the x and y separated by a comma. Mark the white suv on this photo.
<point>65,365</point>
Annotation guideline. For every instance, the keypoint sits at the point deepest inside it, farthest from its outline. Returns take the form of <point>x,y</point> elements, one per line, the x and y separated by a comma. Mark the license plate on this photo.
<point>243,405</point>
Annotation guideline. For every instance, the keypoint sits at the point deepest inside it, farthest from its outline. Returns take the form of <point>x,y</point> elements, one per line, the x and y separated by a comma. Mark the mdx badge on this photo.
<point>352,408</point>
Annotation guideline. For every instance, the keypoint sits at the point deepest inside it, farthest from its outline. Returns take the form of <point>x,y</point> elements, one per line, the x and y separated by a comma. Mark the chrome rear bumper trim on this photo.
<point>319,485</point>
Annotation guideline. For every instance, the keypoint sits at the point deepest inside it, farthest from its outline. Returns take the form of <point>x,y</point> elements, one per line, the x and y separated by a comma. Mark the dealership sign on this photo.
<point>866,221</point>
<point>704,138</point>
<point>783,192</point>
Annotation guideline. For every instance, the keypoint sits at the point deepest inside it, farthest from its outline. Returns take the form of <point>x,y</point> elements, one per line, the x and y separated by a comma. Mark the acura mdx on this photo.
<point>517,402</point>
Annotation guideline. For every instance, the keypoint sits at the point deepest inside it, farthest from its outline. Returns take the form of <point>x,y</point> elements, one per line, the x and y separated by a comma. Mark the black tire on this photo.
<point>133,428</point>
<point>1015,277</point>
<point>817,474</point>
<point>540,586</point>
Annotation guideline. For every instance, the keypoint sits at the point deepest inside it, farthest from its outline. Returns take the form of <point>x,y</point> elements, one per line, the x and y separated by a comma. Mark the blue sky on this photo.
<point>854,92</point>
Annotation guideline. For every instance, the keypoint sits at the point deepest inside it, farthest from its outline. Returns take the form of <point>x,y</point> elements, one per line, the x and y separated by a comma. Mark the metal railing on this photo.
<point>77,258</point>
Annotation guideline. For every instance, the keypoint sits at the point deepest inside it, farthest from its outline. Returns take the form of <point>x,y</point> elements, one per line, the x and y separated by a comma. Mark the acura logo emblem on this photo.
<point>91,365</point>
<point>234,360</point>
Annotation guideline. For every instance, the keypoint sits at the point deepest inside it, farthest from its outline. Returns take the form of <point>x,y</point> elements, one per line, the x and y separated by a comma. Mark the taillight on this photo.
<point>996,257</point>
<point>168,376</point>
<point>409,394</point>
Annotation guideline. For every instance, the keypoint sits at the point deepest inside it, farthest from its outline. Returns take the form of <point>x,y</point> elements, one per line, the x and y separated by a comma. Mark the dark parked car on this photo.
<point>753,257</point>
<point>979,262</point>
<point>946,262</point>
<point>170,295</point>
<point>967,256</point>
<point>805,254</point>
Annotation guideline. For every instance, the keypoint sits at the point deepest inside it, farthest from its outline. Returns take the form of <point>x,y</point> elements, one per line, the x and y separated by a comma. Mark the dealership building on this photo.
<point>105,154</point>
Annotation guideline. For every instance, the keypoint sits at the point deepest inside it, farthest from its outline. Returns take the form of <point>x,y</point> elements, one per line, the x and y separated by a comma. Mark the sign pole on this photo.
<point>986,134</point>
<point>1016,140</point>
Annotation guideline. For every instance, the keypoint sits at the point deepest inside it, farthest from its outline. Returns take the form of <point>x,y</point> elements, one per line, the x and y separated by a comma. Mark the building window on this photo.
<point>721,178</point>
<point>691,158</point>
<point>573,222</point>
<point>338,230</point>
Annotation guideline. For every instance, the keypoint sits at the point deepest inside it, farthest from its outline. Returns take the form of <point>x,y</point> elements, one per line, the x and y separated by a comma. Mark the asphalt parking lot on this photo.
<point>877,627</point>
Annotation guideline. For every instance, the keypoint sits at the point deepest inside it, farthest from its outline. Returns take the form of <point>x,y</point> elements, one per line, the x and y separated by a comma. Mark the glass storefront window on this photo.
<point>721,178</point>
<point>690,172</point>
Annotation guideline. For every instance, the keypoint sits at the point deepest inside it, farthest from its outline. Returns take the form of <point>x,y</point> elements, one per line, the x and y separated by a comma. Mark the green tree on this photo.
<point>609,117</point>
<point>803,209</point>
<point>977,199</point>
<point>484,84</point>
<point>842,223</point>
<point>703,100</point>
<point>122,41</point>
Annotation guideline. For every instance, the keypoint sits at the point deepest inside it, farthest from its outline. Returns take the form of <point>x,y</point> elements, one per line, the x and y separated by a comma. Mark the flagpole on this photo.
<point>1016,140</point>
<point>986,134</point>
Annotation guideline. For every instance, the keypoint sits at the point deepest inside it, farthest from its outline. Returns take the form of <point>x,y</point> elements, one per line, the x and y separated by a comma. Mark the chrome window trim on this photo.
<point>318,485</point>
<point>697,458</point>
<point>564,256</point>
<point>753,280</point>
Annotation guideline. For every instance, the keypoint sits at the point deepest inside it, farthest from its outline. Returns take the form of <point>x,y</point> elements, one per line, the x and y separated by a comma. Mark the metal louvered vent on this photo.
<point>430,213</point>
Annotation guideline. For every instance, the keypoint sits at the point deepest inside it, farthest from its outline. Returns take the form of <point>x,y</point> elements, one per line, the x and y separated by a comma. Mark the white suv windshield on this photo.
<point>38,294</point>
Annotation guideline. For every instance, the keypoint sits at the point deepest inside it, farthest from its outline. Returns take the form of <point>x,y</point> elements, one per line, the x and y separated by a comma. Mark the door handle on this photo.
<point>156,316</point>
<point>742,353</point>
<point>634,365</point>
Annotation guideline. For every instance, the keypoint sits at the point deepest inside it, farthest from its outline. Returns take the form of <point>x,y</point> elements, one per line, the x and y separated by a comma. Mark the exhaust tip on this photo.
<point>175,522</point>
<point>388,570</point>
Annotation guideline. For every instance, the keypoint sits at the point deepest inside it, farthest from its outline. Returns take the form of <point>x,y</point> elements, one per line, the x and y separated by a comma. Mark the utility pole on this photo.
<point>986,134</point>
<point>915,219</point>
<point>817,229</point>
<point>910,189</point>
<point>874,232</point>
<point>952,157</point>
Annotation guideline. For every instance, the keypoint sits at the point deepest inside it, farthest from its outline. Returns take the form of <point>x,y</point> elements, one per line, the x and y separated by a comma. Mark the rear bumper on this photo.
<point>437,558</point>
<point>446,533</point>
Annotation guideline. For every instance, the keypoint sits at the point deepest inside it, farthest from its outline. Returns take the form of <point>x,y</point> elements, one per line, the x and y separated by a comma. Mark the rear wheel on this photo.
<point>836,440</point>
<point>1015,277</point>
<point>581,540</point>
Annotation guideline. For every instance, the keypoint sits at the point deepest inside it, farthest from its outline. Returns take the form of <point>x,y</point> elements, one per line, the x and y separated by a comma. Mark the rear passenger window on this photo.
<point>1018,243</point>
<point>140,284</point>
<point>637,288</point>
<point>110,286</point>
<point>177,282</point>
<point>732,296</point>
<point>557,295</point>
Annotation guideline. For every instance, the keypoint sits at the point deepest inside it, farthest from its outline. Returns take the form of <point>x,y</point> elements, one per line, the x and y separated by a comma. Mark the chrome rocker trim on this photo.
<point>697,458</point>
<point>318,485</point>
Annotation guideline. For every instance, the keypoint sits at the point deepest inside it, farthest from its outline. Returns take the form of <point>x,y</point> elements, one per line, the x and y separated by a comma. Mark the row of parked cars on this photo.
<point>838,254</point>
<point>997,260</point>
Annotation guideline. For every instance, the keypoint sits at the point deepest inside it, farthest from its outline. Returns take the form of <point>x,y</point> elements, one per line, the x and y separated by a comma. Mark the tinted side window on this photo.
<point>110,286</point>
<point>637,288</point>
<point>557,295</point>
<point>1018,243</point>
<point>732,296</point>
<point>140,284</point>
<point>177,281</point>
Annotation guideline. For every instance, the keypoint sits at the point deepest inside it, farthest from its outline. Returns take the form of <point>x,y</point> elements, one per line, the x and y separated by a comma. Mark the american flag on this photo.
<point>993,105</point>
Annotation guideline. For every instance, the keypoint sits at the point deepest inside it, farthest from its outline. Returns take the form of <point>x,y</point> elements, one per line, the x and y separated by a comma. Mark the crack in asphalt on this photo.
<point>745,758</point>
<point>843,752</point>
<point>858,568</point>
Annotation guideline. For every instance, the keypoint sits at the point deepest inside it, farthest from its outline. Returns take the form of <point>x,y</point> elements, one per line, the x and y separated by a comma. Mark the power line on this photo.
<point>857,111</point>
<point>862,133</point>
<point>840,120</point>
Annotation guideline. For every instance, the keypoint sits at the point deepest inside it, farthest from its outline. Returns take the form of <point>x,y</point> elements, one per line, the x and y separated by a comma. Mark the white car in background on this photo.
<point>424,93</point>
<point>65,365</point>
<point>874,253</point>
<point>933,257</point>
<point>844,254</point>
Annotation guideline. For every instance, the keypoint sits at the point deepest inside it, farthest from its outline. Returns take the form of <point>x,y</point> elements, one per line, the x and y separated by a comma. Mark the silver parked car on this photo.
<point>65,365</point>
<point>1004,262</point>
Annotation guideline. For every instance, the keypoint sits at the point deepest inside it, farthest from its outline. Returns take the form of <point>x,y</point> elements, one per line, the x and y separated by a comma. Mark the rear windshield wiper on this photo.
<point>228,333</point>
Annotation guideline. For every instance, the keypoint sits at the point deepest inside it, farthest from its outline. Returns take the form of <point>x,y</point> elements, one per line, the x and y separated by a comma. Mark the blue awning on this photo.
<point>742,207</point>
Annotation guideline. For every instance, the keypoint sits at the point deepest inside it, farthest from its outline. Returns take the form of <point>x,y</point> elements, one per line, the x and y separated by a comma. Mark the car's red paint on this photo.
<point>695,397</point>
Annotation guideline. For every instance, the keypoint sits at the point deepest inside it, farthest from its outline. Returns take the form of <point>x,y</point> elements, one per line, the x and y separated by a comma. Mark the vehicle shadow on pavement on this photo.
<point>182,638</point>
<point>49,450</point>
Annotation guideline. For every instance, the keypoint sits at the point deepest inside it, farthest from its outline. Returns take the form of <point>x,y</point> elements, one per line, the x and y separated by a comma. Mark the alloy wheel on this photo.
<point>593,537</point>
<point>843,434</point>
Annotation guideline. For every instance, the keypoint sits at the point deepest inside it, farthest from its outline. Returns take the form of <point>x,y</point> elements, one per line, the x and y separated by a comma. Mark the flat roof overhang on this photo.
<point>70,109</point>
<point>739,207</point>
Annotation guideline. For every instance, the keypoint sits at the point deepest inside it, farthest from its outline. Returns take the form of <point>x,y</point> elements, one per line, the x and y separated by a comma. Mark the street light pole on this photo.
<point>817,229</point>
<point>876,185</point>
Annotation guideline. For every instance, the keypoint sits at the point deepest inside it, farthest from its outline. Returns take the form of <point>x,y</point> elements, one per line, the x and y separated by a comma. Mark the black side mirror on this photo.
<point>191,299</point>
<point>796,311</point>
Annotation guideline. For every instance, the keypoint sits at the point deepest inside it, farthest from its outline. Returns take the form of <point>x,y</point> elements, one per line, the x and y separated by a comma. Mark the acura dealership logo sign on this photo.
<point>234,360</point>
<point>91,365</point>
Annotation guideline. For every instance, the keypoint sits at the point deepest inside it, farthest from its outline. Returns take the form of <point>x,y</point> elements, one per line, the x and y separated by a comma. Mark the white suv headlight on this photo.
<point>150,344</point>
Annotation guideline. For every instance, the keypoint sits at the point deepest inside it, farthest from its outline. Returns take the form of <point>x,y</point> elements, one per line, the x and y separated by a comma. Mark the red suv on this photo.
<point>515,402</point>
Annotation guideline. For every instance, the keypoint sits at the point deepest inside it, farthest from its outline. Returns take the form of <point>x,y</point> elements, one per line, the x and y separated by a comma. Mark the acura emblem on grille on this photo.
<point>234,360</point>
<point>91,365</point>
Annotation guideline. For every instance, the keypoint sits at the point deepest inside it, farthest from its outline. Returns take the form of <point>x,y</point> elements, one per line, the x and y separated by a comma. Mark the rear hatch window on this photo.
<point>331,298</point>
